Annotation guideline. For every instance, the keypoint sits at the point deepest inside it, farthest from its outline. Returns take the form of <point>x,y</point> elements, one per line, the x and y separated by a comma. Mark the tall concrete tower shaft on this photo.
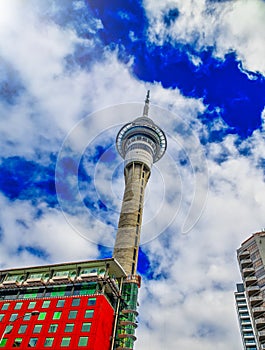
<point>140,143</point>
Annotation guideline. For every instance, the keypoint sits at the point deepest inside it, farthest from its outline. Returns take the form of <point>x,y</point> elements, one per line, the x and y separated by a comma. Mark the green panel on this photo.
<point>3,343</point>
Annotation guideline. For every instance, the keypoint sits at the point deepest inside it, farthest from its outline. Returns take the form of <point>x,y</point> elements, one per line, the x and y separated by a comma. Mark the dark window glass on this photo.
<point>89,313</point>
<point>91,301</point>
<point>69,327</point>
<point>33,342</point>
<point>53,328</point>
<point>65,341</point>
<point>46,304</point>
<point>5,306</point>
<point>37,328</point>
<point>32,304</point>
<point>18,306</point>
<point>86,327</point>
<point>83,341</point>
<point>22,329</point>
<point>48,342</point>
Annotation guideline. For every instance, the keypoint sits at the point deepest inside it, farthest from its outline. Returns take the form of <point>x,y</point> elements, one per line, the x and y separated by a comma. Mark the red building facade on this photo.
<point>60,306</point>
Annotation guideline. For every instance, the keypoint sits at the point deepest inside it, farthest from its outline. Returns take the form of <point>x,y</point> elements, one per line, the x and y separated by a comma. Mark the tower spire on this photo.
<point>146,106</point>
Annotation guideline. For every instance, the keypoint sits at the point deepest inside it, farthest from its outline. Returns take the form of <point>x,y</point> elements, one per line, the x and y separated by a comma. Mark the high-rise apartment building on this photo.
<point>251,258</point>
<point>91,304</point>
<point>244,318</point>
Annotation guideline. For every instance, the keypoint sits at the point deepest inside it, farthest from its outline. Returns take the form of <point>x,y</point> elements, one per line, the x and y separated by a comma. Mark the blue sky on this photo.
<point>71,74</point>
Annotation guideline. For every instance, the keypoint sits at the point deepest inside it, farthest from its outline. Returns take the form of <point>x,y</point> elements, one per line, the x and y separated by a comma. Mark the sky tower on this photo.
<point>140,143</point>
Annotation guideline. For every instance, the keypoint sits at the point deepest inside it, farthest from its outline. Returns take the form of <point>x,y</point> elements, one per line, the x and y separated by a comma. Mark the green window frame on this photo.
<point>72,314</point>
<point>42,316</point>
<point>53,328</point>
<point>33,342</point>
<point>22,329</point>
<point>48,342</point>
<point>18,306</point>
<point>46,304</point>
<point>37,328</point>
<point>32,305</point>
<point>91,301</point>
<point>83,341</point>
<point>60,303</point>
<point>69,327</point>
<point>57,315</point>
<point>89,313</point>
<point>86,327</point>
<point>65,341</point>
<point>76,302</point>
<point>5,306</point>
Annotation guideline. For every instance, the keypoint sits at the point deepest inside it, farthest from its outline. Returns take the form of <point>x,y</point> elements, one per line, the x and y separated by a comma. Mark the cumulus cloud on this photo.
<point>226,26</point>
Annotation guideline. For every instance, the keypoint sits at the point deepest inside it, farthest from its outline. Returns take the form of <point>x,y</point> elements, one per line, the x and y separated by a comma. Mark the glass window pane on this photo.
<point>33,342</point>
<point>13,317</point>
<point>72,314</point>
<point>42,316</point>
<point>1,317</point>
<point>53,328</point>
<point>5,306</point>
<point>37,328</point>
<point>48,342</point>
<point>76,302</point>
<point>3,343</point>
<point>89,313</point>
<point>60,303</point>
<point>65,341</point>
<point>69,327</point>
<point>32,304</point>
<point>18,306</point>
<point>22,329</point>
<point>86,327</point>
<point>17,343</point>
<point>83,341</point>
<point>46,304</point>
<point>57,315</point>
<point>91,301</point>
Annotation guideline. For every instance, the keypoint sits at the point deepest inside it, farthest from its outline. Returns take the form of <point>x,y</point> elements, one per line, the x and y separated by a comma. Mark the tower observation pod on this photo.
<point>140,143</point>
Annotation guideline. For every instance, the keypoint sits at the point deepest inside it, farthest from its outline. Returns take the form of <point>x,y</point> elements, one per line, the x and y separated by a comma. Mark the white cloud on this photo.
<point>225,25</point>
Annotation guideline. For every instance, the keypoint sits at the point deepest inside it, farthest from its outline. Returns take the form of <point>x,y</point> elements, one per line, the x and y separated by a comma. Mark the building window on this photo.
<point>3,343</point>
<point>57,315</point>
<point>13,317</point>
<point>32,304</point>
<point>89,313</point>
<point>83,341</point>
<point>76,302</point>
<point>60,303</point>
<point>33,342</point>
<point>5,306</point>
<point>1,317</point>
<point>48,342</point>
<point>18,306</point>
<point>72,314</point>
<point>42,316</point>
<point>91,301</point>
<point>65,341</point>
<point>22,329</point>
<point>17,343</point>
<point>53,328</point>
<point>69,327</point>
<point>27,317</point>
<point>86,327</point>
<point>37,328</point>
<point>46,304</point>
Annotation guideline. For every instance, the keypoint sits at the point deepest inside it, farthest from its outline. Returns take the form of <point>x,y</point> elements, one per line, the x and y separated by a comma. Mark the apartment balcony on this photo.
<point>252,290</point>
<point>258,310</point>
<point>251,280</point>
<point>260,322</point>
<point>244,255</point>
<point>255,300</point>
<point>245,262</point>
<point>248,271</point>
<point>261,335</point>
